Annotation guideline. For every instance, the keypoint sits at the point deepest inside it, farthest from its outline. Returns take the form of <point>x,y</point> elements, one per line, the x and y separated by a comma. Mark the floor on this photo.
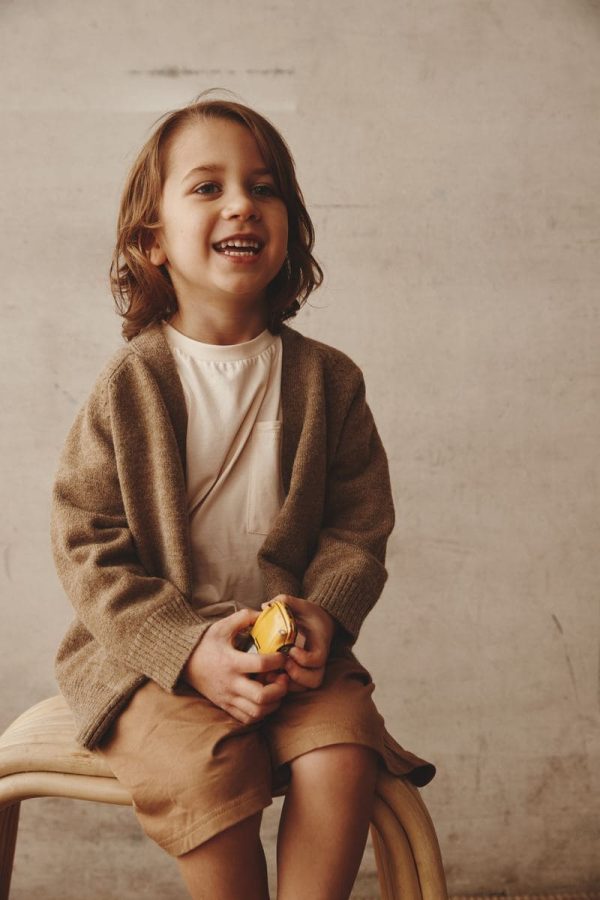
<point>73,850</point>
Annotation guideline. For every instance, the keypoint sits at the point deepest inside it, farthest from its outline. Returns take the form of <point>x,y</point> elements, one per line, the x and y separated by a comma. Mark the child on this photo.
<point>222,460</point>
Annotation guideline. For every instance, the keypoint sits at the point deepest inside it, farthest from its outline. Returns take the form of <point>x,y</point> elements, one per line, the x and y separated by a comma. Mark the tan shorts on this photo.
<point>193,771</point>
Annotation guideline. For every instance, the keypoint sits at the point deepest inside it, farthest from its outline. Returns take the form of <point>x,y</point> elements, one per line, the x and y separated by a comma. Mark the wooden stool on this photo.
<point>40,758</point>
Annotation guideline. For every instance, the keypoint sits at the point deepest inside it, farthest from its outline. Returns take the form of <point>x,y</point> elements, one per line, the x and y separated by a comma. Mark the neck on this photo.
<point>218,326</point>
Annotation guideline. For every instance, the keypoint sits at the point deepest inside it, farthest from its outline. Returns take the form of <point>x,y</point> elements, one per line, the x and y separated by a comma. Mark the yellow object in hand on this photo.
<point>274,631</point>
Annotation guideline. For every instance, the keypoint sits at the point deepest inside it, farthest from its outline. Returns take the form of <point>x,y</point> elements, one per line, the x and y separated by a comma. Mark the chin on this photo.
<point>243,289</point>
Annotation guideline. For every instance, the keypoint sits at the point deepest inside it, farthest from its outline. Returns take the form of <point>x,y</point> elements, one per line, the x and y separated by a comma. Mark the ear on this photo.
<point>156,254</point>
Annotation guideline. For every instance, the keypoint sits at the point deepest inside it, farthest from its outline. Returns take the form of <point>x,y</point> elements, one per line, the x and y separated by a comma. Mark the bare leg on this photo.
<point>325,821</point>
<point>229,866</point>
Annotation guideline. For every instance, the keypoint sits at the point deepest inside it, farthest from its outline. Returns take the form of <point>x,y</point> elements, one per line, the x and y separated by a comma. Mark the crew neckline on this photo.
<point>219,352</point>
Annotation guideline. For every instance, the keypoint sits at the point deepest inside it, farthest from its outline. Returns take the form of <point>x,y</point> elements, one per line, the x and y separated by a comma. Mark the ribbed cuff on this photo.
<point>345,598</point>
<point>164,644</point>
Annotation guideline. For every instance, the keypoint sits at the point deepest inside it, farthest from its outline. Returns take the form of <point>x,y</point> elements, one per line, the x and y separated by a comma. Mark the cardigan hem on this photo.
<point>91,733</point>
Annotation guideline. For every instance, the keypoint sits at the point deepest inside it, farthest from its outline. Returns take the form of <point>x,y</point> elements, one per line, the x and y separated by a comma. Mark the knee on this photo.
<point>346,763</point>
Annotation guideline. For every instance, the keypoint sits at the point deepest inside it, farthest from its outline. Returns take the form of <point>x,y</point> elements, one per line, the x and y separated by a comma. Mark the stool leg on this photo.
<point>405,802</point>
<point>398,879</point>
<point>9,822</point>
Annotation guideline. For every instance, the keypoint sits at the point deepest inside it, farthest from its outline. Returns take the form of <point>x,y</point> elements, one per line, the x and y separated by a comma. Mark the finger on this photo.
<point>310,678</point>
<point>247,718</point>
<point>256,662</point>
<point>237,621</point>
<point>309,659</point>
<point>296,604</point>
<point>251,712</point>
<point>296,688</point>
<point>258,694</point>
<point>274,678</point>
<point>283,598</point>
<point>267,710</point>
<point>238,714</point>
<point>268,603</point>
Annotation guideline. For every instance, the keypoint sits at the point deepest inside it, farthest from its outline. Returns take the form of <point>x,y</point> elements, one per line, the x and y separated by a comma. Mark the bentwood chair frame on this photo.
<point>40,758</point>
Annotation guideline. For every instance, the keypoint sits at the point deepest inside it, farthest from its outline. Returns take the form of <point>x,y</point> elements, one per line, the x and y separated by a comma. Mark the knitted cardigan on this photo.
<point>120,533</point>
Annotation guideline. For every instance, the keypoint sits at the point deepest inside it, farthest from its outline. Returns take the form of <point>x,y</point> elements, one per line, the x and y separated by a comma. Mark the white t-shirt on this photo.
<point>233,470</point>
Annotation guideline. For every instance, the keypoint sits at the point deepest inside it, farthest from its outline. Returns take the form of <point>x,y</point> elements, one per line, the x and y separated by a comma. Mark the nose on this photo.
<point>240,204</point>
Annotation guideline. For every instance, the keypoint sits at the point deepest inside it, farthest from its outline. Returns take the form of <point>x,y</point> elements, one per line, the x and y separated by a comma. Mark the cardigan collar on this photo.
<point>152,346</point>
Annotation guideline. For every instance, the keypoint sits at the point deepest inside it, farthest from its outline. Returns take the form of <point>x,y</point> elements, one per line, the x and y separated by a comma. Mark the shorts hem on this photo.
<point>323,736</point>
<point>211,824</point>
<point>416,770</point>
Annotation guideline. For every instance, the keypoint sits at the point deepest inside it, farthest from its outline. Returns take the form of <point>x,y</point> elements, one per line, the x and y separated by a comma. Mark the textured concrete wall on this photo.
<point>449,157</point>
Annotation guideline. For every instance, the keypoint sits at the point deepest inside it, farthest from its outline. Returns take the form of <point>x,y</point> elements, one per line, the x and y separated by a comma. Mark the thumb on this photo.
<point>238,621</point>
<point>296,604</point>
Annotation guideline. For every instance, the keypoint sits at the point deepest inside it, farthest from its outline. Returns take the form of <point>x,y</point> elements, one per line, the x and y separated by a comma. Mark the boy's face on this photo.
<point>217,187</point>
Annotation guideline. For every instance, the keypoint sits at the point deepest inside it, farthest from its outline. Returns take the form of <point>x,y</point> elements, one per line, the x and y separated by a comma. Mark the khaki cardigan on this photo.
<point>120,532</point>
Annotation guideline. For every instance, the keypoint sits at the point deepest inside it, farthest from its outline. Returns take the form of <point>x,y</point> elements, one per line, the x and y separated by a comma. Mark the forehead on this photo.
<point>211,142</point>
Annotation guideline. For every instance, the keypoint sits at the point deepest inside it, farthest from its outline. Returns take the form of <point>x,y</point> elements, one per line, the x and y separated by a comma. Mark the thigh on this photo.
<point>191,769</point>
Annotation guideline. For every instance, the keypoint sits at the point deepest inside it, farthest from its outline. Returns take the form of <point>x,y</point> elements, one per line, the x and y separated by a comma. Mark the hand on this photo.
<point>221,673</point>
<point>306,666</point>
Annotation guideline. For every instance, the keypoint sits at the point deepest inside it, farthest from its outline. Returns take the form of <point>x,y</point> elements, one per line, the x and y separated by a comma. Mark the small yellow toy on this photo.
<point>274,631</point>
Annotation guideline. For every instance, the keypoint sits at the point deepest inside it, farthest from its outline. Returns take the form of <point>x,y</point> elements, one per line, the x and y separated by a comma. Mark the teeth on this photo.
<point>237,243</point>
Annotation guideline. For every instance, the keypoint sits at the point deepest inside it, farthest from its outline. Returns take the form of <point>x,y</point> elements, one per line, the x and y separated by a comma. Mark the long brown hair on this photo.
<point>143,292</point>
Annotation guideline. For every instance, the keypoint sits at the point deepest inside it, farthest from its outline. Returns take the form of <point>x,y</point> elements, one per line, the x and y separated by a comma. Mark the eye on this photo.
<point>207,188</point>
<point>264,190</point>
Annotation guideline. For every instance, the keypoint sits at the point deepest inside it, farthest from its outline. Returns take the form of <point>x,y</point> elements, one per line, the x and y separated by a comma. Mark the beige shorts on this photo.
<point>193,771</point>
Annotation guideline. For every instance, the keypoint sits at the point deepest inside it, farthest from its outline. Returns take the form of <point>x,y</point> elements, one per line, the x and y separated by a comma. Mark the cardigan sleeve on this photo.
<point>117,589</point>
<point>347,573</point>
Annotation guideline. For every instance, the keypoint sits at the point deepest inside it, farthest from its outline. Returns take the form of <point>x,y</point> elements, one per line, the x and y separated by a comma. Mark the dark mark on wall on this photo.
<point>174,72</point>
<point>184,72</point>
<point>571,674</point>
<point>65,393</point>
<point>570,668</point>
<point>276,71</point>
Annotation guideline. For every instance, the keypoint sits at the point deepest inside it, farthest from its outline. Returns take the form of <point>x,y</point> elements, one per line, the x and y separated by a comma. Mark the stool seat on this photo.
<point>39,757</point>
<point>42,740</point>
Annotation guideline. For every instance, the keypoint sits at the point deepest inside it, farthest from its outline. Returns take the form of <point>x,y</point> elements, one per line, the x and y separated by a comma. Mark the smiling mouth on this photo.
<point>238,247</point>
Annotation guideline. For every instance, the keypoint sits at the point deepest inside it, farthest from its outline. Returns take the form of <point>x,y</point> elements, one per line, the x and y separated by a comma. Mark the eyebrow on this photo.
<point>214,167</point>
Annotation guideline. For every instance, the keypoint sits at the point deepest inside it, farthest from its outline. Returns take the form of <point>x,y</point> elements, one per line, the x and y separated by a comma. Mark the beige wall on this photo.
<point>448,151</point>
